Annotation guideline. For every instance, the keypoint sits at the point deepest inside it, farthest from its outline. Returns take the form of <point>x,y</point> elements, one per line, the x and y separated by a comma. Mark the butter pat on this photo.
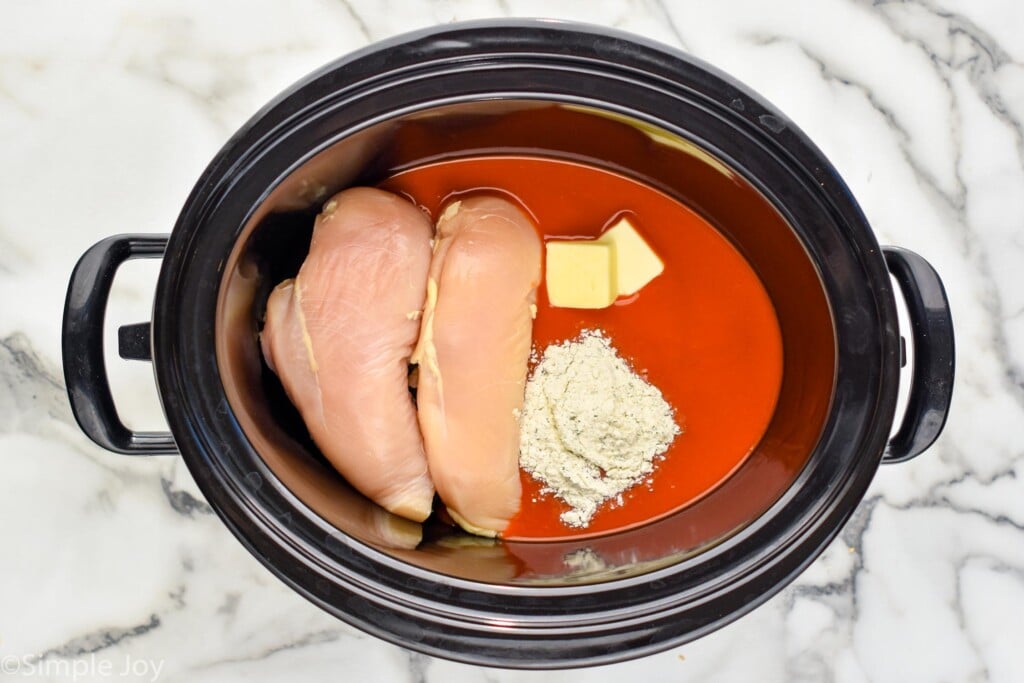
<point>636,264</point>
<point>592,273</point>
<point>580,274</point>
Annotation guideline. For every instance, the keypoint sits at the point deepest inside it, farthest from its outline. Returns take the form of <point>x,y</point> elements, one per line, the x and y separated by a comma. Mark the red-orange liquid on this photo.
<point>704,331</point>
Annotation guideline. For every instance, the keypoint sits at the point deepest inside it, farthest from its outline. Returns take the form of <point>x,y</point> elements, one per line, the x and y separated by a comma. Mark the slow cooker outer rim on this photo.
<point>241,524</point>
<point>518,650</point>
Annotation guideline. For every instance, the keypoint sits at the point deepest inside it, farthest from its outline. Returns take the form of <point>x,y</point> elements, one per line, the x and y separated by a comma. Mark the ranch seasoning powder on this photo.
<point>590,427</point>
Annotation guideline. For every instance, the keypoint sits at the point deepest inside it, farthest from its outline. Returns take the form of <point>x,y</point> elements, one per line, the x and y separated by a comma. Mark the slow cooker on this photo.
<point>668,120</point>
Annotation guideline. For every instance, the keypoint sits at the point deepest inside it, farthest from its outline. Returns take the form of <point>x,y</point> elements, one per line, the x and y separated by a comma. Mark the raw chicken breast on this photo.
<point>473,351</point>
<point>340,335</point>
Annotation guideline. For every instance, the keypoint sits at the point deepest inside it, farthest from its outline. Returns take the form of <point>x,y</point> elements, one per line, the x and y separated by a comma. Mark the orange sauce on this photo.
<point>703,332</point>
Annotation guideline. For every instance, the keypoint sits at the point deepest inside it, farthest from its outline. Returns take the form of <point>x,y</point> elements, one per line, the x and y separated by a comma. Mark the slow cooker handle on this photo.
<point>931,383</point>
<point>85,371</point>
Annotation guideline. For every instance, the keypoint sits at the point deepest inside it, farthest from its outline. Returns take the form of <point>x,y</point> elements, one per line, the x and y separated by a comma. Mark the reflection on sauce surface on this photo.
<point>704,332</point>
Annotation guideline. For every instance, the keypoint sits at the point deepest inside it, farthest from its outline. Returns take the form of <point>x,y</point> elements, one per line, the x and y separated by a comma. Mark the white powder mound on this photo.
<point>590,426</point>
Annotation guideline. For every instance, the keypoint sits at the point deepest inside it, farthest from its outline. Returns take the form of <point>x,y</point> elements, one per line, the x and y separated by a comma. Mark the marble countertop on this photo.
<point>109,112</point>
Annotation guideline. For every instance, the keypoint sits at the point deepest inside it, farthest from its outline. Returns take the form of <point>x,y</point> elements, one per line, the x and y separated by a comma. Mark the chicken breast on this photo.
<point>339,336</point>
<point>473,351</point>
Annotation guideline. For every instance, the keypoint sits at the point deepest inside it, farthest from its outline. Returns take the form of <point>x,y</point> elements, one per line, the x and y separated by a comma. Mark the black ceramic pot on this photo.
<point>620,102</point>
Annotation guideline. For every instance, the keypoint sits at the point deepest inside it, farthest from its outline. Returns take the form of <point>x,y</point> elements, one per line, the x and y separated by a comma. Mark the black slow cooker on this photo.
<point>664,118</point>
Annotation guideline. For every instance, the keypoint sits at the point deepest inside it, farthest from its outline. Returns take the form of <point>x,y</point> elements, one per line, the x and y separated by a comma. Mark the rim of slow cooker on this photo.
<point>264,527</point>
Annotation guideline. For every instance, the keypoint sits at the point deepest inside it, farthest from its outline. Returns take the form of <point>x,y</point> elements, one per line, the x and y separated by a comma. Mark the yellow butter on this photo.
<point>580,274</point>
<point>636,264</point>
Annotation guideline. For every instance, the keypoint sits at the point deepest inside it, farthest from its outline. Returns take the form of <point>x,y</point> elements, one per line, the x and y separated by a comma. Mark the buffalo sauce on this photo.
<point>703,332</point>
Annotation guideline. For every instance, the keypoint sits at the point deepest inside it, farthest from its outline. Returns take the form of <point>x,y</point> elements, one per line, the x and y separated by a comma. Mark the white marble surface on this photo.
<point>109,110</point>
